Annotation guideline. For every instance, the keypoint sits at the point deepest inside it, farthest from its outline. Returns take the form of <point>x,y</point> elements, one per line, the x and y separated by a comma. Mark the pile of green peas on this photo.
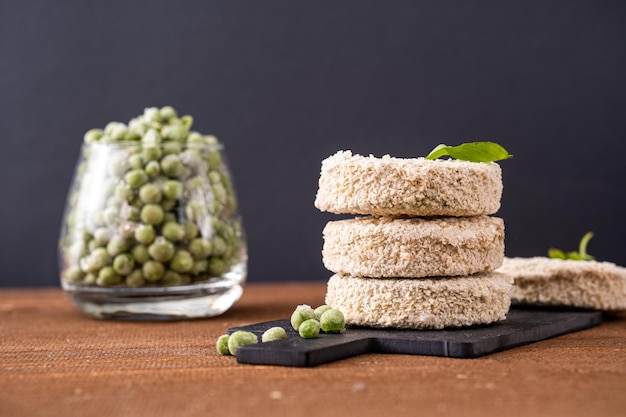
<point>228,344</point>
<point>153,206</point>
<point>308,322</point>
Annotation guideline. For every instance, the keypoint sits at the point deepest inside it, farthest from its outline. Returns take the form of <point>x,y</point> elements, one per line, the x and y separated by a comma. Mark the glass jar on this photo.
<point>152,232</point>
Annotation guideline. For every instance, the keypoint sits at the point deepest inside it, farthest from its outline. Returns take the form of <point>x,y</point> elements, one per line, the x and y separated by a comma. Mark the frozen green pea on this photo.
<point>151,114</point>
<point>172,148</point>
<point>301,314</point>
<point>107,276</point>
<point>151,138</point>
<point>135,161</point>
<point>193,158</point>
<point>93,244</point>
<point>199,248</point>
<point>77,250</point>
<point>153,271</point>
<point>167,113</point>
<point>132,135</point>
<point>136,178</point>
<point>117,166</point>
<point>161,249</point>
<point>195,137</point>
<point>137,128</point>
<point>172,189</point>
<point>153,169</point>
<point>102,235</point>
<point>171,166</point>
<point>123,192</point>
<point>115,131</point>
<point>191,230</point>
<point>152,214</point>
<point>200,266</point>
<point>73,274</point>
<point>90,279</point>
<point>129,212</point>
<point>117,245</point>
<point>150,193</point>
<point>320,310</point>
<point>187,121</point>
<point>332,321</point>
<point>173,231</point>
<point>140,253</point>
<point>309,329</point>
<point>135,279</point>
<point>214,159</point>
<point>273,333</point>
<point>182,261</point>
<point>123,263</point>
<point>194,211</point>
<point>217,225</point>
<point>93,135</point>
<point>171,278</point>
<point>218,246</point>
<point>240,338</point>
<point>222,345</point>
<point>217,267</point>
<point>195,184</point>
<point>144,233</point>
<point>214,177</point>
<point>175,132</point>
<point>110,216</point>
<point>219,192</point>
<point>152,153</point>
<point>126,229</point>
<point>228,233</point>
<point>98,258</point>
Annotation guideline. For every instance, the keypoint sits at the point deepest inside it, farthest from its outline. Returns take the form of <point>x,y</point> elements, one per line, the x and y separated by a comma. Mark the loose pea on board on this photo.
<point>302,313</point>
<point>320,310</point>
<point>240,338</point>
<point>309,329</point>
<point>332,321</point>
<point>273,333</point>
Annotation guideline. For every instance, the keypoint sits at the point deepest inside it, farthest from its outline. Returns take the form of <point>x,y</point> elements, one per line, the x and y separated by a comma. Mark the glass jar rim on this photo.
<point>137,143</point>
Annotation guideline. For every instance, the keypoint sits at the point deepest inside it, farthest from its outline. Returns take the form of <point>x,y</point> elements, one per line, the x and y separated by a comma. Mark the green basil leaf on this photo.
<point>574,256</point>
<point>471,151</point>
<point>556,253</point>
<point>581,255</point>
<point>438,152</point>
<point>582,247</point>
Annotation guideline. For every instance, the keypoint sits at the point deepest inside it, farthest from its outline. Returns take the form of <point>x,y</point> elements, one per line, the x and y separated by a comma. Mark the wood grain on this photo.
<point>56,362</point>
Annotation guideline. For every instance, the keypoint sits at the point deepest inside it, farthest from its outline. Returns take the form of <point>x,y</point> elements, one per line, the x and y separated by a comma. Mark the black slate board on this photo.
<point>522,326</point>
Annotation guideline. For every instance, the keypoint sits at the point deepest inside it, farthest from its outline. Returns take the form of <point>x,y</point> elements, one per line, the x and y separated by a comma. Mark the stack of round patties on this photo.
<point>422,252</point>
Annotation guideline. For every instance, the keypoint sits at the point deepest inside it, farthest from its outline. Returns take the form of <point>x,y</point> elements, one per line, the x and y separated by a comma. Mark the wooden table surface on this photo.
<point>57,362</point>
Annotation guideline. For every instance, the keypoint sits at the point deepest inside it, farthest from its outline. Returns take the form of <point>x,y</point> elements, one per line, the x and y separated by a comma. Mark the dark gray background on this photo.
<point>284,84</point>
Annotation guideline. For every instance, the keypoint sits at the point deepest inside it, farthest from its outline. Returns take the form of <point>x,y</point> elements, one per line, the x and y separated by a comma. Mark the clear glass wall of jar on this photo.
<point>152,231</point>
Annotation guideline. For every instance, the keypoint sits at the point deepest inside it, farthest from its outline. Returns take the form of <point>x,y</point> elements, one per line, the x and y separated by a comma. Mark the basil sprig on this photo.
<point>472,152</point>
<point>581,255</point>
